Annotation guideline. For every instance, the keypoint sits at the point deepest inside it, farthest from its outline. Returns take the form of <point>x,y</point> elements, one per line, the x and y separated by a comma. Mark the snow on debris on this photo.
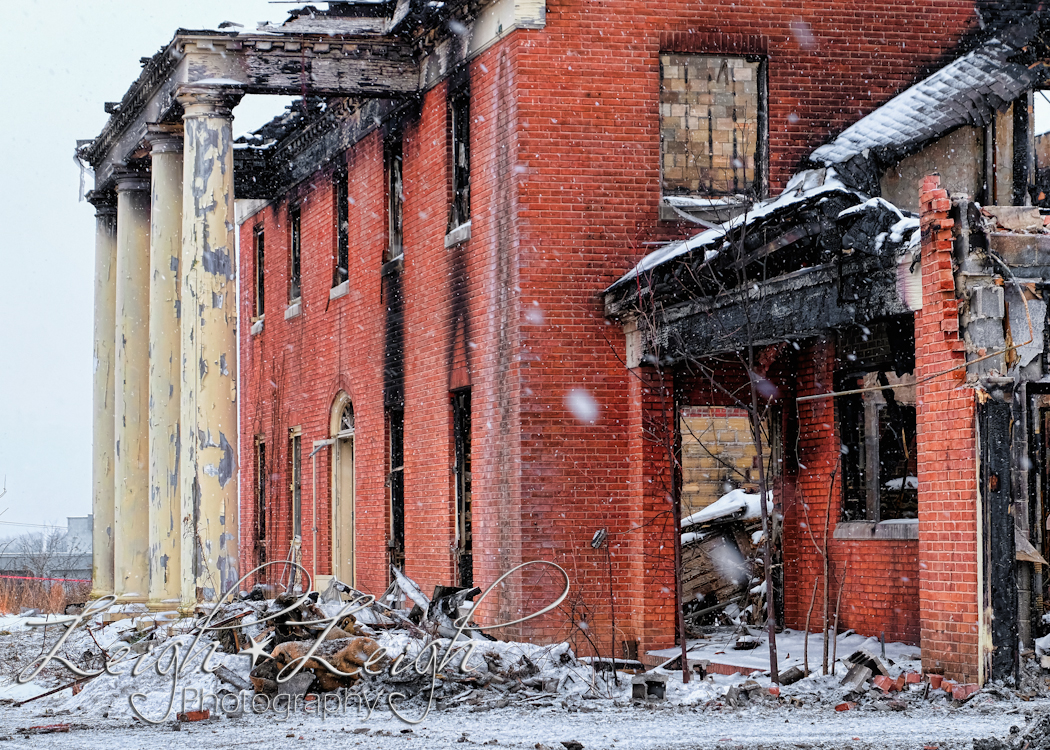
<point>803,186</point>
<point>738,503</point>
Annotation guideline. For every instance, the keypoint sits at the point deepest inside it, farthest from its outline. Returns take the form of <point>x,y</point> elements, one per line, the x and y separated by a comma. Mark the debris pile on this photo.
<point>722,560</point>
<point>405,644</point>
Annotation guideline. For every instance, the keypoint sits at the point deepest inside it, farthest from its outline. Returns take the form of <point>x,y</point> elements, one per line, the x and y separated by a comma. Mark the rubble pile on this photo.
<point>723,577</point>
<point>406,644</point>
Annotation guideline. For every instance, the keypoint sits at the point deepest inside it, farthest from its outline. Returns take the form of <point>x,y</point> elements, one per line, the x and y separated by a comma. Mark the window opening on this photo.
<point>346,419</point>
<point>395,197</point>
<point>712,125</point>
<point>296,487</point>
<point>459,116</point>
<point>342,226</point>
<point>295,275</point>
<point>260,502</point>
<point>260,271</point>
<point>396,481</point>
<point>877,429</point>
<point>464,535</point>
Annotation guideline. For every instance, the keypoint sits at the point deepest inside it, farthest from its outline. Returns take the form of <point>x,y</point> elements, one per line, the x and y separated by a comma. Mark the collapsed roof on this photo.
<point>828,251</point>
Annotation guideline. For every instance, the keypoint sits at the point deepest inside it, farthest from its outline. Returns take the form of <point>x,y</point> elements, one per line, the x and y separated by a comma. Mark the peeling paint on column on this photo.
<point>132,486</point>
<point>165,348</point>
<point>104,425</point>
<point>208,377</point>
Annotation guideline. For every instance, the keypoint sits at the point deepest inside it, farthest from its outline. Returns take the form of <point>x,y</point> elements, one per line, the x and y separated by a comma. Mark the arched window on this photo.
<point>346,418</point>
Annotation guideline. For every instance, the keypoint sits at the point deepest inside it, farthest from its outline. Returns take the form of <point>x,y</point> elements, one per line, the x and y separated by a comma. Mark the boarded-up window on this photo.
<point>711,127</point>
<point>718,455</point>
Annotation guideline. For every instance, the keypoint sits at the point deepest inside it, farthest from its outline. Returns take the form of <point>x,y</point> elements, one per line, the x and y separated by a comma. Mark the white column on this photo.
<point>103,393</point>
<point>209,344</point>
<point>130,507</point>
<point>165,366</point>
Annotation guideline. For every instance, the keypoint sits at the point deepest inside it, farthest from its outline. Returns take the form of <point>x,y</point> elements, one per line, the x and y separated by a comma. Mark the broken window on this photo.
<point>464,536</point>
<point>295,270</point>
<point>396,482</point>
<point>877,427</point>
<point>296,486</point>
<point>260,502</point>
<point>459,132</point>
<point>340,190</point>
<point>259,242</point>
<point>395,197</point>
<point>712,125</point>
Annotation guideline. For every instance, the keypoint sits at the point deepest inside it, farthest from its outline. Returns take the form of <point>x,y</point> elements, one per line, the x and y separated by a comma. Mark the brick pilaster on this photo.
<point>948,528</point>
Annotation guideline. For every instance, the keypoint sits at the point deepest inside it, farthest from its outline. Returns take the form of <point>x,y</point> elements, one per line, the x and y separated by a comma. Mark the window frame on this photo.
<point>295,484</point>
<point>260,491</point>
<point>758,189</point>
<point>295,254</point>
<point>259,256</point>
<point>341,197</point>
<point>459,154</point>
<point>393,174</point>
<point>396,483</point>
<point>861,427</point>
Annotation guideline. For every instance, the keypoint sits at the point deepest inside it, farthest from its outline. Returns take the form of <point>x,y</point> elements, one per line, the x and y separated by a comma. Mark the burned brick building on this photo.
<point>417,349</point>
<point>895,331</point>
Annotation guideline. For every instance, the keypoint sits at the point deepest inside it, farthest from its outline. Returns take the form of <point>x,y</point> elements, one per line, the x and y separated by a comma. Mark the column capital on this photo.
<point>164,137</point>
<point>104,201</point>
<point>131,180</point>
<point>209,99</point>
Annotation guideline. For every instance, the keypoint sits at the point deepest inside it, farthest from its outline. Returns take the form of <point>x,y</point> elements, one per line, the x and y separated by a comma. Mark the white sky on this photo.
<point>63,59</point>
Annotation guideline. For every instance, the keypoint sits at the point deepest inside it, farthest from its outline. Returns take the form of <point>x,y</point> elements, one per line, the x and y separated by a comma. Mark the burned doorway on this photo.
<point>343,518</point>
<point>464,533</point>
<point>721,516</point>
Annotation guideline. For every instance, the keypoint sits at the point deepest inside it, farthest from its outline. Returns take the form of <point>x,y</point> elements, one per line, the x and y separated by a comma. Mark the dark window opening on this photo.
<point>260,503</point>
<point>396,481</point>
<point>342,227</point>
<point>464,534</point>
<point>877,428</point>
<point>260,271</point>
<point>395,197</point>
<point>459,129</point>
<point>295,271</point>
<point>296,486</point>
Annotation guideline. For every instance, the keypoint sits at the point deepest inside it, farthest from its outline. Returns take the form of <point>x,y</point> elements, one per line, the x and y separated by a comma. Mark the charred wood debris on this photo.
<point>722,569</point>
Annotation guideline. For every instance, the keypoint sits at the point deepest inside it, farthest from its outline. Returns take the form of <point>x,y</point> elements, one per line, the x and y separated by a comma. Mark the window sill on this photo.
<point>294,310</point>
<point>257,325</point>
<point>458,235</point>
<point>340,290</point>
<point>391,267</point>
<point>702,209</point>
<point>903,528</point>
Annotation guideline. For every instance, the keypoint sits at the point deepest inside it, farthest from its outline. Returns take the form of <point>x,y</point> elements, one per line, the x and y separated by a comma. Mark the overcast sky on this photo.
<point>63,60</point>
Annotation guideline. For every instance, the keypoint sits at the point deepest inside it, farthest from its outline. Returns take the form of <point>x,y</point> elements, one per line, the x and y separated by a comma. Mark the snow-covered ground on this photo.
<point>571,704</point>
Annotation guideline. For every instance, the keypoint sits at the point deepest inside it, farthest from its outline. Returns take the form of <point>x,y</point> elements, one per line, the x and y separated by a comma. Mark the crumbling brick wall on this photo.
<point>948,587</point>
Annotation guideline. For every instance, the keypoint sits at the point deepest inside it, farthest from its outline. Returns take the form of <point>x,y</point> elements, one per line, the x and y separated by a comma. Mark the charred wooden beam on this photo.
<point>795,306</point>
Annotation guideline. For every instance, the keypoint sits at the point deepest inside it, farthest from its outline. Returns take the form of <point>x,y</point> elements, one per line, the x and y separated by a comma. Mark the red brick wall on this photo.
<point>948,590</point>
<point>565,188</point>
